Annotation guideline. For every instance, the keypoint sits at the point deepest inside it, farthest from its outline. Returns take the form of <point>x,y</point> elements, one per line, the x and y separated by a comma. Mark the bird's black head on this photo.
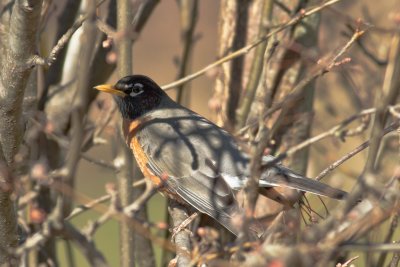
<point>135,95</point>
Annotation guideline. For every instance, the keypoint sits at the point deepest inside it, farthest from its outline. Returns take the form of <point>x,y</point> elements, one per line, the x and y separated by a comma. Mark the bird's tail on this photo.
<point>278,175</point>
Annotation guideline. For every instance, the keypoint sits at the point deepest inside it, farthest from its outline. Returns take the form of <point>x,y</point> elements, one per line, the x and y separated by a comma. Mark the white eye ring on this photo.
<point>138,88</point>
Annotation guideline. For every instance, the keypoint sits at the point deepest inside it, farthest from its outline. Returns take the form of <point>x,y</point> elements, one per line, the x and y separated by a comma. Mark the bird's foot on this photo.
<point>183,225</point>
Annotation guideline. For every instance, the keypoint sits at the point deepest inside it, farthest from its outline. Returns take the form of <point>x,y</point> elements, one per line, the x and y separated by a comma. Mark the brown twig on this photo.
<point>298,89</point>
<point>188,14</point>
<point>257,65</point>
<point>182,238</point>
<point>124,159</point>
<point>98,162</point>
<point>106,29</point>
<point>184,224</point>
<point>142,15</point>
<point>337,130</point>
<point>64,22</point>
<point>367,184</point>
<point>27,198</point>
<point>113,209</point>
<point>81,208</point>
<point>18,44</point>
<point>395,259</point>
<point>61,43</point>
<point>346,264</point>
<point>233,33</point>
<point>372,247</point>
<point>55,226</point>
<point>88,248</point>
<point>141,201</point>
<point>342,226</point>
<point>354,152</point>
<point>393,227</point>
<point>372,56</point>
<point>140,226</point>
<point>249,47</point>
<point>140,182</point>
<point>251,188</point>
<point>133,244</point>
<point>386,97</point>
<point>79,107</point>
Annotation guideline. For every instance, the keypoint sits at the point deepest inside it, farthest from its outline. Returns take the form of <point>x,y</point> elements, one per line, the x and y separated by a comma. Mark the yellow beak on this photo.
<point>109,89</point>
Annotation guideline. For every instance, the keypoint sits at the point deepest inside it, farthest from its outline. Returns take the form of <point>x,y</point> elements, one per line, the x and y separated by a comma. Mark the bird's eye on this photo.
<point>136,89</point>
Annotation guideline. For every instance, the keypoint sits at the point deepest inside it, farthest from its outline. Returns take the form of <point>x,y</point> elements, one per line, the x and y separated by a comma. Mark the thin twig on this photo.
<point>371,247</point>
<point>336,130</point>
<point>81,208</point>
<point>386,97</point>
<point>106,29</point>
<point>297,90</point>
<point>27,198</point>
<point>139,182</point>
<point>257,65</point>
<point>140,202</point>
<point>142,15</point>
<point>393,227</point>
<point>61,43</point>
<point>346,264</point>
<point>98,162</point>
<point>354,152</point>
<point>331,132</point>
<point>395,259</point>
<point>108,117</point>
<point>114,207</point>
<point>189,14</point>
<point>140,226</point>
<point>249,47</point>
<point>87,247</point>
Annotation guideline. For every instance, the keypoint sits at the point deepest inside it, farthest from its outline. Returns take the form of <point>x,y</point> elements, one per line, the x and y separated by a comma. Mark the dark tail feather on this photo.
<point>281,176</point>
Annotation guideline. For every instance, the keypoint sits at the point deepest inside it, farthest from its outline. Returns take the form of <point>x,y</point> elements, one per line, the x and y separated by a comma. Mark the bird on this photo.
<point>191,159</point>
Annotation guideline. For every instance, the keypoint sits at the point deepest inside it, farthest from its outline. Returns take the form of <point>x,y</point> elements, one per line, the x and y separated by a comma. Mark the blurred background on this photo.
<point>346,90</point>
<point>350,86</point>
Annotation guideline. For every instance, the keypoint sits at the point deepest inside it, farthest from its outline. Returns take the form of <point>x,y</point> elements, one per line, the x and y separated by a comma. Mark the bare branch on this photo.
<point>296,92</point>
<point>81,208</point>
<point>385,98</point>
<point>249,47</point>
<point>143,14</point>
<point>62,42</point>
<point>87,247</point>
<point>182,238</point>
<point>16,48</point>
<point>257,65</point>
<point>354,152</point>
<point>189,14</point>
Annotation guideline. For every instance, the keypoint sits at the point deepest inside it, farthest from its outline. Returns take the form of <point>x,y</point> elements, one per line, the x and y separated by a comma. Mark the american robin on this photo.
<point>188,157</point>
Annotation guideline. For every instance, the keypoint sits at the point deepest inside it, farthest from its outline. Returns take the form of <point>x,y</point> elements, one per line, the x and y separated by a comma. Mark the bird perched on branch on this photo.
<point>189,158</point>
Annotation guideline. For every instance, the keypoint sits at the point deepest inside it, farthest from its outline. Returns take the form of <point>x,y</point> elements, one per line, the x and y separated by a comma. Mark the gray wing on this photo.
<point>193,152</point>
<point>205,164</point>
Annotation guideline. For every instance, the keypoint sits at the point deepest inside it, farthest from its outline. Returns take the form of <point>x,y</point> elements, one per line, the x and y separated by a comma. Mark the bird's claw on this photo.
<point>183,225</point>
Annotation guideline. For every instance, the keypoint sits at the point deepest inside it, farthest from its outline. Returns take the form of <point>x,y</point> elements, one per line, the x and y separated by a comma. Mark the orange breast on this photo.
<point>142,160</point>
<point>130,129</point>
